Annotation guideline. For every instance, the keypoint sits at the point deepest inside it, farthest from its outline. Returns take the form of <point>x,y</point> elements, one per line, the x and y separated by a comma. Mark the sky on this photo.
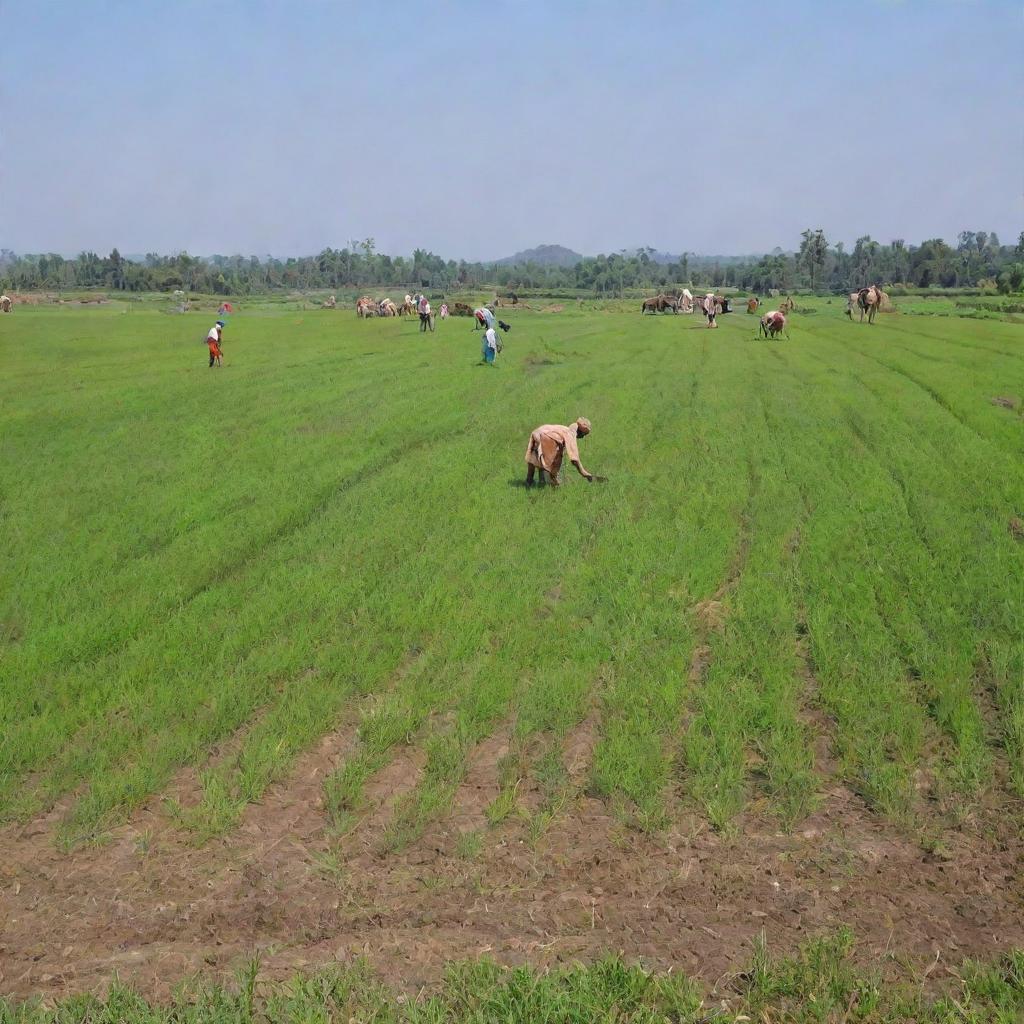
<point>477,129</point>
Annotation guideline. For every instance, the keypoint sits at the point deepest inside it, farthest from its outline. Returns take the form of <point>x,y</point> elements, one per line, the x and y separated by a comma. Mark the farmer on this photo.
<point>710,308</point>
<point>444,310</point>
<point>213,343</point>
<point>547,446</point>
<point>491,346</point>
<point>484,317</point>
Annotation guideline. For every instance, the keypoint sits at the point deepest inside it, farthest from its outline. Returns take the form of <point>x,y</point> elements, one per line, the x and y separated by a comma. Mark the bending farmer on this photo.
<point>547,446</point>
<point>213,339</point>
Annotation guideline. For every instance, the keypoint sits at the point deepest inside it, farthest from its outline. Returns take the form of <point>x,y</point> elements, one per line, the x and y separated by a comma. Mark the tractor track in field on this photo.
<point>973,345</point>
<point>939,399</point>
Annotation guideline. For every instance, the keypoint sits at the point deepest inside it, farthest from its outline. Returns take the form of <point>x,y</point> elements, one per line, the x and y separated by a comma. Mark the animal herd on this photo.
<point>868,300</point>
<point>681,303</point>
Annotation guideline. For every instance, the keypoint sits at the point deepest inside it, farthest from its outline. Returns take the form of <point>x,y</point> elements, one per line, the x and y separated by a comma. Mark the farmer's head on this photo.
<point>220,324</point>
<point>582,426</point>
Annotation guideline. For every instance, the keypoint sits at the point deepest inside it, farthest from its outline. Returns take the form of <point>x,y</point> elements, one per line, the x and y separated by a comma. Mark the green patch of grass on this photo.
<point>332,523</point>
<point>820,983</point>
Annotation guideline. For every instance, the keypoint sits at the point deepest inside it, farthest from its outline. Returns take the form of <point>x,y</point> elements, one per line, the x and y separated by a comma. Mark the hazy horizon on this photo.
<point>240,127</point>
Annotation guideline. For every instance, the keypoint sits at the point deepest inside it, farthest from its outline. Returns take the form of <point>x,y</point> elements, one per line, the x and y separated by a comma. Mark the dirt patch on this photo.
<point>578,751</point>
<point>700,659</point>
<point>1005,402</point>
<point>154,909</point>
<point>552,309</point>
<point>552,599</point>
<point>535,364</point>
<point>480,786</point>
<point>1016,527</point>
<point>710,614</point>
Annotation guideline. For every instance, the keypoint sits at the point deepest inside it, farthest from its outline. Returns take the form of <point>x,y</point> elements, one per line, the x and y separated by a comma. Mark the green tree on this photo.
<point>813,250</point>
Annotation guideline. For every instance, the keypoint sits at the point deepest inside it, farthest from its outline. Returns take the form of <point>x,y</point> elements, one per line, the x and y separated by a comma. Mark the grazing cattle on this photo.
<point>773,323</point>
<point>406,308</point>
<point>5,304</point>
<point>365,307</point>
<point>686,301</point>
<point>330,303</point>
<point>868,300</point>
<point>387,308</point>
<point>786,306</point>
<point>461,309</point>
<point>660,304</point>
<point>752,305</point>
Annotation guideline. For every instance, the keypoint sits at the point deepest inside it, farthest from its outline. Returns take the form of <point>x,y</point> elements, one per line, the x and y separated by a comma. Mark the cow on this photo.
<point>752,305</point>
<point>868,300</point>
<point>5,304</point>
<point>660,304</point>
<point>773,323</point>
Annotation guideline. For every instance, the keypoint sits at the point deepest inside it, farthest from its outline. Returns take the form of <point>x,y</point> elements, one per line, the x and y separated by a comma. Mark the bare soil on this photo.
<point>154,909</point>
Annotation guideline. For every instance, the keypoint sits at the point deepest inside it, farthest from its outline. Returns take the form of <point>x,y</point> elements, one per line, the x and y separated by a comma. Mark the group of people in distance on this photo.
<point>548,444</point>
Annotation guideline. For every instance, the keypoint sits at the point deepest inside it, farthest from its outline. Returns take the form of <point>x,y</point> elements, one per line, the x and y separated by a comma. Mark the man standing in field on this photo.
<point>549,444</point>
<point>710,308</point>
<point>213,343</point>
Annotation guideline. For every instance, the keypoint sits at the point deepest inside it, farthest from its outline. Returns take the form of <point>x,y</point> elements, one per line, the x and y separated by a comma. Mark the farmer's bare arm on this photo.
<point>583,472</point>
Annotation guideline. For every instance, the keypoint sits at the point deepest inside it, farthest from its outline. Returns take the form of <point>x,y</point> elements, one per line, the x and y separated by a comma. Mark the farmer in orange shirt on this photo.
<point>549,444</point>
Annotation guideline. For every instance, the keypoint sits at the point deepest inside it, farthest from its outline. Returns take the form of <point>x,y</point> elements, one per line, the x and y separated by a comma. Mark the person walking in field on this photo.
<point>484,318</point>
<point>213,343</point>
<point>549,444</point>
<point>710,308</point>
<point>444,310</point>
<point>491,346</point>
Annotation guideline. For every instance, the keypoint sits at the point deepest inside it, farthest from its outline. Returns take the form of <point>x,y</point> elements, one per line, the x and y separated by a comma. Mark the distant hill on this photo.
<point>545,256</point>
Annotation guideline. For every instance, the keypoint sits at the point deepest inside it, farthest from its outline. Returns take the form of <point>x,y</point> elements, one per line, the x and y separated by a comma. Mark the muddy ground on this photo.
<point>155,910</point>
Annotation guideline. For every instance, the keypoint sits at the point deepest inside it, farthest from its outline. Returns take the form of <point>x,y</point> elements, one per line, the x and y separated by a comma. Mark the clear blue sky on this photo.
<point>477,129</point>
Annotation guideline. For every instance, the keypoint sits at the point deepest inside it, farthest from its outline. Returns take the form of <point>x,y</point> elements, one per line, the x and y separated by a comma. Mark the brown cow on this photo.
<point>868,300</point>
<point>773,323</point>
<point>752,305</point>
<point>5,304</point>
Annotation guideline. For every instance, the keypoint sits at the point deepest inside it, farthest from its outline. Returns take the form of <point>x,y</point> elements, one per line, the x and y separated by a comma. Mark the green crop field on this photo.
<point>803,577</point>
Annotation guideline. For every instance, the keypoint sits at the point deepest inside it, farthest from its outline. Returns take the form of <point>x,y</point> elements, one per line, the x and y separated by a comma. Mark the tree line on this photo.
<point>977,260</point>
